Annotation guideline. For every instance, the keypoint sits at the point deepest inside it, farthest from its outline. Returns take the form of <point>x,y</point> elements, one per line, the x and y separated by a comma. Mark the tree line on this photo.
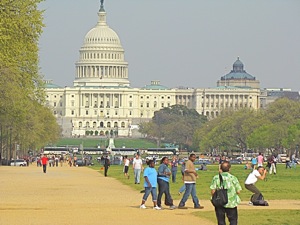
<point>24,120</point>
<point>276,127</point>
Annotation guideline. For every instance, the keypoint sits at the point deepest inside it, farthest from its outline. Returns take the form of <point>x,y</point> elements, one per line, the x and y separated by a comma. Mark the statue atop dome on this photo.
<point>101,6</point>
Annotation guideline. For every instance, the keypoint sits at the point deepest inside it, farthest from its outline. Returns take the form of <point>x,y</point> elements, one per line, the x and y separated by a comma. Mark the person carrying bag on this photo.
<point>225,189</point>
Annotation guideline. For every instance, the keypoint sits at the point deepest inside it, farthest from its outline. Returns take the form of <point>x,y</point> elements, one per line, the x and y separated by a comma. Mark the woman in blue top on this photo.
<point>163,179</point>
<point>150,185</point>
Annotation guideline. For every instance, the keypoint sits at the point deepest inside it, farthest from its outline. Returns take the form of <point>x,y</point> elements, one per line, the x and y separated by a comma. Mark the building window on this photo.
<point>108,124</point>
<point>87,112</point>
<point>123,125</point>
<point>130,104</point>
<point>95,112</point>
<point>80,124</point>
<point>147,104</point>
<point>54,104</point>
<point>72,112</point>
<point>130,113</point>
<point>115,124</point>
<point>162,105</point>
<point>116,113</point>
<point>72,103</point>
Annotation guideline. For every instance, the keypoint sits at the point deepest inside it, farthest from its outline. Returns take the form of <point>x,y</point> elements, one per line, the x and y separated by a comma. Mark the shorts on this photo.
<point>126,169</point>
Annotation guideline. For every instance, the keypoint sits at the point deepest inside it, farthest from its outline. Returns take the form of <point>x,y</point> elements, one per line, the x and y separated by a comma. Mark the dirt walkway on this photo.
<point>83,196</point>
<point>76,196</point>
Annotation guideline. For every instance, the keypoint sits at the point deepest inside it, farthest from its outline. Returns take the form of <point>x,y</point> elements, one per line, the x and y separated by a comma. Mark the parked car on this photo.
<point>235,161</point>
<point>18,162</point>
<point>84,162</point>
<point>202,161</point>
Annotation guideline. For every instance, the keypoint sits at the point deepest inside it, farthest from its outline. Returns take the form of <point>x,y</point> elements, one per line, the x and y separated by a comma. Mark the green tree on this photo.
<point>175,124</point>
<point>23,117</point>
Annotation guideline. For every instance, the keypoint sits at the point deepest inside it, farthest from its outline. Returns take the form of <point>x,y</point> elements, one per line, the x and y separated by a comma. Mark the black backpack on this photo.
<point>259,201</point>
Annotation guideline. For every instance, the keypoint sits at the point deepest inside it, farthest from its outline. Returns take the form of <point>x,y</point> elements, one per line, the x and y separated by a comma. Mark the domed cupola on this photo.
<point>238,66</point>
<point>102,61</point>
<point>238,77</point>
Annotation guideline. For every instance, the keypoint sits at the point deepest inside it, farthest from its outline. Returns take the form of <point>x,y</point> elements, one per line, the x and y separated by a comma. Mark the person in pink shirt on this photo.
<point>260,159</point>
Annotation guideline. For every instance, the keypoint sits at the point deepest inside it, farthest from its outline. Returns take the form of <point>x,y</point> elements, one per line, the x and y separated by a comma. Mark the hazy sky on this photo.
<point>180,42</point>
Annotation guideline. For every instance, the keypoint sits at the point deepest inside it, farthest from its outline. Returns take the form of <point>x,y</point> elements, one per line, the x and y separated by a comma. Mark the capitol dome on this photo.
<point>102,61</point>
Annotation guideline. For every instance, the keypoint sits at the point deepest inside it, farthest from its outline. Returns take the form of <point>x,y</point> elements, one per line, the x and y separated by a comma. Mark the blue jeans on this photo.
<point>164,188</point>
<point>190,190</point>
<point>149,190</point>
<point>137,175</point>
<point>182,189</point>
<point>174,173</point>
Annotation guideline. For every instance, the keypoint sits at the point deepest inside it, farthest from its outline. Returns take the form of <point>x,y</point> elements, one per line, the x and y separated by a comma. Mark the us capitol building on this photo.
<point>102,100</point>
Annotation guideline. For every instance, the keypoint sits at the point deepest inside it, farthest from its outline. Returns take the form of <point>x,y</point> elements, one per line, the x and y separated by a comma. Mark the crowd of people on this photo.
<point>157,183</point>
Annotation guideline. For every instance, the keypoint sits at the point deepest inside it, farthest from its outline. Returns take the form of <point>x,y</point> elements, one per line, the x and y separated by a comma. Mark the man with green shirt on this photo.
<point>233,187</point>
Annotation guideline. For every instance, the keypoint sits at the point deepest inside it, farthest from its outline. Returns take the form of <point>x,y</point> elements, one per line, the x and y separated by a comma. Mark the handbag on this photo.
<point>220,198</point>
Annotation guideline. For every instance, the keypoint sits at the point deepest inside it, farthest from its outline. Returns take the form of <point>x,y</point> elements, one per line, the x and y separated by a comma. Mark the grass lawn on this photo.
<point>260,216</point>
<point>284,185</point>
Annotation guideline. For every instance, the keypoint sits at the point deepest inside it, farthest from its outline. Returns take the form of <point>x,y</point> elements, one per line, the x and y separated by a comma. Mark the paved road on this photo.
<point>74,196</point>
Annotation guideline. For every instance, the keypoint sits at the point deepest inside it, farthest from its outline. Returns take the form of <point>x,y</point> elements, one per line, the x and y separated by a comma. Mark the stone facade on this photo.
<point>102,100</point>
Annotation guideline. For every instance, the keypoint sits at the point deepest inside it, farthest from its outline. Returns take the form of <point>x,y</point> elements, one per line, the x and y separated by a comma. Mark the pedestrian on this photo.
<point>44,160</point>
<point>253,162</point>
<point>222,159</point>
<point>126,166</point>
<point>272,164</point>
<point>294,161</point>
<point>182,189</point>
<point>174,166</point>
<point>137,168</point>
<point>260,159</point>
<point>106,165</point>
<point>190,176</point>
<point>163,180</point>
<point>259,173</point>
<point>61,160</point>
<point>287,162</point>
<point>233,187</point>
<point>150,184</point>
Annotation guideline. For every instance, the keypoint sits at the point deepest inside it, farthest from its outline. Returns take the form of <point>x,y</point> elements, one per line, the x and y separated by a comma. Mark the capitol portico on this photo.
<point>102,101</point>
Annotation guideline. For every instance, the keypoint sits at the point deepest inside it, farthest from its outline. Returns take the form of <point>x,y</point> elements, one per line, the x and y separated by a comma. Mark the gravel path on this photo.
<point>83,196</point>
<point>77,196</point>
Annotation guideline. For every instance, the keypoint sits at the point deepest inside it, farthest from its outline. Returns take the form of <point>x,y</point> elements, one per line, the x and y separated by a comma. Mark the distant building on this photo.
<point>102,100</point>
<point>269,95</point>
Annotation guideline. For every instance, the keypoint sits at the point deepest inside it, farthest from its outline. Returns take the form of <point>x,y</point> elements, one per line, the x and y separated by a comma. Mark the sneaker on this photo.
<point>172,207</point>
<point>199,207</point>
<point>156,208</point>
<point>250,203</point>
<point>143,206</point>
<point>182,207</point>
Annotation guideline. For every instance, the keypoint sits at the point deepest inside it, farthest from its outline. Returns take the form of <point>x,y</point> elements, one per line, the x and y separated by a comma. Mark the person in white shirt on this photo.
<point>259,173</point>
<point>137,168</point>
<point>126,166</point>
